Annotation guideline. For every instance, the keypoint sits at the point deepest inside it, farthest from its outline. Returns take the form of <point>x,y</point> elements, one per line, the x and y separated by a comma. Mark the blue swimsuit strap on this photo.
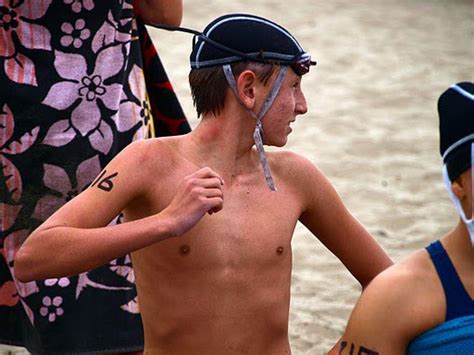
<point>458,301</point>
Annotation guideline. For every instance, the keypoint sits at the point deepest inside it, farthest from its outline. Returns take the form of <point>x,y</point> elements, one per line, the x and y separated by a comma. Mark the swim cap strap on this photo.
<point>447,183</point>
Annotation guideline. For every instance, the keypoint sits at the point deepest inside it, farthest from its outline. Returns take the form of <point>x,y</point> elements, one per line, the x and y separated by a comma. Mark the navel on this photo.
<point>280,250</point>
<point>184,250</point>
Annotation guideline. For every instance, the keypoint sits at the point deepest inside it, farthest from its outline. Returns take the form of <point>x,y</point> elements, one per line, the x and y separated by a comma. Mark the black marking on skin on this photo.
<point>364,351</point>
<point>343,346</point>
<point>98,177</point>
<point>106,183</point>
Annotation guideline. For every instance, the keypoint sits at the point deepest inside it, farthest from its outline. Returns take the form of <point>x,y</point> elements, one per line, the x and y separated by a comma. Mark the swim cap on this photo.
<point>456,127</point>
<point>242,37</point>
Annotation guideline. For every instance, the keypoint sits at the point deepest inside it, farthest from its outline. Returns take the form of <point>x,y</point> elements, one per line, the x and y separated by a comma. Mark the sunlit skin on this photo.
<point>291,103</point>
<point>210,243</point>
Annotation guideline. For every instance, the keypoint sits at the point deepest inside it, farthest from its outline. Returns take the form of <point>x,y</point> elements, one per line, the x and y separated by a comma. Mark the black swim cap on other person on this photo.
<point>456,127</point>
<point>244,37</point>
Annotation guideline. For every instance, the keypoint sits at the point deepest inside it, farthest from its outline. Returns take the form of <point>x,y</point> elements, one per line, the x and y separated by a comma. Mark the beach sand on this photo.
<point>372,127</point>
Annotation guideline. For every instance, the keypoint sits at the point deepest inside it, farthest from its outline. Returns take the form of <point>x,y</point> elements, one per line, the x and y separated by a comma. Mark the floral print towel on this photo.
<point>72,94</point>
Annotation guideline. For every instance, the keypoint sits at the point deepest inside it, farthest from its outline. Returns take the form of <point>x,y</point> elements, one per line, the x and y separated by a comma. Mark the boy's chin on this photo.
<point>276,144</point>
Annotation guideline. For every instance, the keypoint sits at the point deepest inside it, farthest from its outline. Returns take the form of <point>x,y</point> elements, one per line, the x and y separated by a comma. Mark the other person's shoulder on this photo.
<point>408,292</point>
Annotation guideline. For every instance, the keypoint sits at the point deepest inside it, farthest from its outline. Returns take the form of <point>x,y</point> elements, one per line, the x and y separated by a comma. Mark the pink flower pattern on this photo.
<point>130,113</point>
<point>74,35</point>
<point>57,179</point>
<point>13,179</point>
<point>78,5</point>
<point>62,282</point>
<point>91,89</point>
<point>16,20</point>
<point>51,308</point>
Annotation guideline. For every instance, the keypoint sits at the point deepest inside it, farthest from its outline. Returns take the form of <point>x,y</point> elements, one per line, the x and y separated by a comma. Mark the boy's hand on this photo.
<point>198,194</point>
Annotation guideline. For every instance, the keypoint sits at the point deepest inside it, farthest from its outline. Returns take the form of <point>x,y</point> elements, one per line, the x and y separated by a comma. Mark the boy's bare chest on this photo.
<point>254,226</point>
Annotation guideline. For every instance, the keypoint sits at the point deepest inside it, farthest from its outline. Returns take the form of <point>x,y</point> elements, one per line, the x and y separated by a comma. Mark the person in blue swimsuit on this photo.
<point>424,304</point>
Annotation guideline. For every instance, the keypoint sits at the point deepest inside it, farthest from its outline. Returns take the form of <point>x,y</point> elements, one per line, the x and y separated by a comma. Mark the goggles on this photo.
<point>302,63</point>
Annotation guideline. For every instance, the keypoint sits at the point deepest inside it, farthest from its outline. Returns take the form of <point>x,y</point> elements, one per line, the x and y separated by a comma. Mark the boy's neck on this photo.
<point>224,143</point>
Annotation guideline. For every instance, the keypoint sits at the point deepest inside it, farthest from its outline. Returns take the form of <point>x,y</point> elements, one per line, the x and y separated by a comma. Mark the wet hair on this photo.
<point>209,85</point>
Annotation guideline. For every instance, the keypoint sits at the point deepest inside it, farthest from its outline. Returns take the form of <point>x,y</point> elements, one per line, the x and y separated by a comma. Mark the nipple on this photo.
<point>184,250</point>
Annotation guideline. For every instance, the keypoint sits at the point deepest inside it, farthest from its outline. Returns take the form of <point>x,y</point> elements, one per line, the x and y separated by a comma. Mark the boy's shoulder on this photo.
<point>285,160</point>
<point>146,151</point>
<point>291,166</point>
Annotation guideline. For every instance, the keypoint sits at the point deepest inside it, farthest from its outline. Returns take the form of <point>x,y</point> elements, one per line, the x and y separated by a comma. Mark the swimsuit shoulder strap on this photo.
<point>458,301</point>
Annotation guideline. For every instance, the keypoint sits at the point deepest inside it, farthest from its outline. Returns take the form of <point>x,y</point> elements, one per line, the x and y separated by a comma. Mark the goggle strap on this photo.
<point>257,134</point>
<point>457,204</point>
<point>229,75</point>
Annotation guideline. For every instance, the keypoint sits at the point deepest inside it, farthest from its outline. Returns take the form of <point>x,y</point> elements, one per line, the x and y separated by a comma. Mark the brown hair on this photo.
<point>209,85</point>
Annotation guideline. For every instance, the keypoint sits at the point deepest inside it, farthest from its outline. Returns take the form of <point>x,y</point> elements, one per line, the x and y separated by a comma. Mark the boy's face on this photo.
<point>289,103</point>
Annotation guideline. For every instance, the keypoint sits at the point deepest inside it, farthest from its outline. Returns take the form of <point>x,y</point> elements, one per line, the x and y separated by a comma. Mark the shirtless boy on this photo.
<point>209,235</point>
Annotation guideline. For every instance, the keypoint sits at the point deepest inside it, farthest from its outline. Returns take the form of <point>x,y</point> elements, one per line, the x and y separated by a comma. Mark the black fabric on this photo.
<point>245,33</point>
<point>456,121</point>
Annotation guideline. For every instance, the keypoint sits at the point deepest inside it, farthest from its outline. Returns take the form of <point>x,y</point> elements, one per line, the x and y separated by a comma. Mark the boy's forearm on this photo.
<point>60,251</point>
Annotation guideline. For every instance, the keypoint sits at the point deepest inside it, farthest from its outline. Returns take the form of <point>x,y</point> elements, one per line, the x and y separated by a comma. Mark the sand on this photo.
<point>371,127</point>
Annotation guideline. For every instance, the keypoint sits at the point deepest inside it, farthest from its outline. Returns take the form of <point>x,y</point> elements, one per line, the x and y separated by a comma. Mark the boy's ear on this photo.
<point>458,188</point>
<point>246,87</point>
<point>461,184</point>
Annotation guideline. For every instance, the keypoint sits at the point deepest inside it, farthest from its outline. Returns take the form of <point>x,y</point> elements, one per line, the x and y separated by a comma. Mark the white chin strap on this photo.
<point>468,222</point>
<point>258,133</point>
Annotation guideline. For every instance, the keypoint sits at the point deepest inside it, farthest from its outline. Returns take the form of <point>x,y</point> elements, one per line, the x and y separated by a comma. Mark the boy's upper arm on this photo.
<point>327,218</point>
<point>109,193</point>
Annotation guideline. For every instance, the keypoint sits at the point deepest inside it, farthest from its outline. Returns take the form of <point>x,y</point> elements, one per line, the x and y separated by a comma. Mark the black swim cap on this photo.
<point>456,127</point>
<point>244,37</point>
